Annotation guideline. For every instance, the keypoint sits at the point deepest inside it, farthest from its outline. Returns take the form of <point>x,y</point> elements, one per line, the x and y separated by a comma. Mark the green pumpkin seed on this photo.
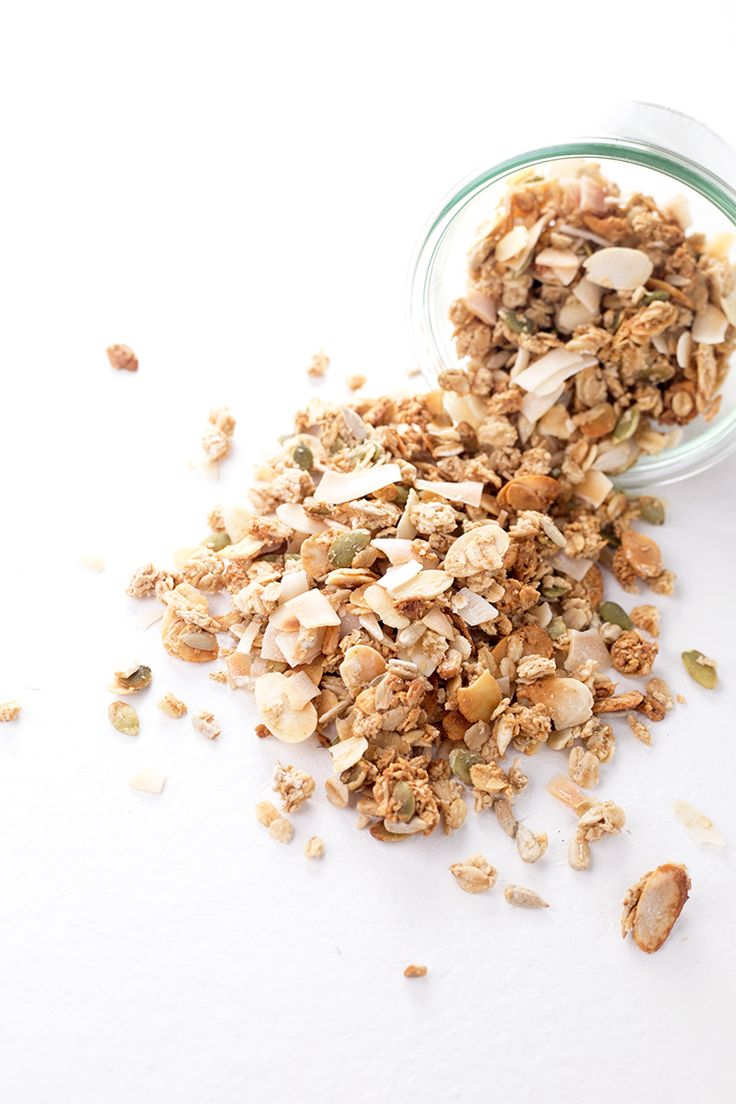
<point>346,547</point>
<point>611,537</point>
<point>303,458</point>
<point>137,680</point>
<point>616,321</point>
<point>556,627</point>
<point>627,424</point>
<point>615,615</point>
<point>655,296</point>
<point>402,494</point>
<point>380,832</point>
<point>652,510</point>
<point>659,372</point>
<point>552,590</point>
<point>516,322</point>
<point>700,669</point>
<point>404,796</point>
<point>124,718</point>
<point>217,541</point>
<point>461,760</point>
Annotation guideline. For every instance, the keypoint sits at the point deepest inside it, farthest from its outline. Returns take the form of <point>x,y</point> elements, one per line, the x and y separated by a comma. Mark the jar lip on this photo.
<point>677,463</point>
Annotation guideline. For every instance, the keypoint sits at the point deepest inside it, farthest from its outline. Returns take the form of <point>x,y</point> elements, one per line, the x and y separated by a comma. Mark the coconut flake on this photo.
<point>427,584</point>
<point>292,584</point>
<point>512,243</point>
<point>296,517</point>
<point>584,646</point>
<point>728,303</point>
<point>311,610</point>
<point>619,268</point>
<point>534,235</point>
<point>269,646</point>
<point>300,689</point>
<point>245,644</point>
<point>293,726</point>
<point>551,370</point>
<point>541,614</point>
<point>369,622</point>
<point>346,753</point>
<point>338,487</point>
<point>395,550</point>
<point>398,575</point>
<point>684,352</point>
<point>440,623</point>
<point>710,325</point>
<point>573,566</point>
<point>521,363</point>
<point>593,488</point>
<point>482,306</point>
<point>660,343</point>
<point>236,520</point>
<point>573,314</point>
<point>473,609</point>
<point>92,563</point>
<point>592,195</point>
<point>558,259</point>
<point>678,209</point>
<point>700,827</point>
<point>468,491</point>
<point>459,410</point>
<point>584,235</point>
<point>534,407</point>
<point>589,294</point>
<point>148,781</point>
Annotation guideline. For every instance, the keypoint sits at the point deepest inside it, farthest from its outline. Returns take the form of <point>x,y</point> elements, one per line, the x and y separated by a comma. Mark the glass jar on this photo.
<point>644,148</point>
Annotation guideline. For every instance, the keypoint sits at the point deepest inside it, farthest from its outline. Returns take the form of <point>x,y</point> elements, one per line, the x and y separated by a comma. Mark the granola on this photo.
<point>293,786</point>
<point>122,357</point>
<point>172,706</point>
<point>9,711</point>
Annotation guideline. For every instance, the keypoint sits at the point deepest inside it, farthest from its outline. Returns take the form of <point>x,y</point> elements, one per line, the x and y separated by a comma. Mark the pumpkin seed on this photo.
<point>659,372</point>
<point>217,541</point>
<point>615,615</point>
<point>517,323</point>
<point>404,796</point>
<point>124,718</point>
<point>136,680</point>
<point>627,424</point>
<point>461,760</point>
<point>553,590</point>
<point>700,668</point>
<point>346,547</point>
<point>556,627</point>
<point>654,296</point>
<point>652,510</point>
<point>303,458</point>
<point>402,494</point>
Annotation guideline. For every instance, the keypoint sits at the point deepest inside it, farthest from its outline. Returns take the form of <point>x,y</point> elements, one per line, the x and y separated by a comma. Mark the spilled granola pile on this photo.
<point>418,583</point>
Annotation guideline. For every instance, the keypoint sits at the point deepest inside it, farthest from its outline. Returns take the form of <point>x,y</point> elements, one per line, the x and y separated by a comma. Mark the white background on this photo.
<point>229,188</point>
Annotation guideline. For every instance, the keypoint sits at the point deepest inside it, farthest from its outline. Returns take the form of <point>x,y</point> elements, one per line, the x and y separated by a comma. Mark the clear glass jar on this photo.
<point>644,148</point>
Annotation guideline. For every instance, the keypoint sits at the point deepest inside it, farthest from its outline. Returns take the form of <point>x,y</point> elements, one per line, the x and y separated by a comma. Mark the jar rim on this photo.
<point>674,464</point>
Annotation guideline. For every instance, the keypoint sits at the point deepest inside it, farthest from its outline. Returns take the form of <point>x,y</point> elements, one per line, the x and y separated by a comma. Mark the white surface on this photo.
<point>228,191</point>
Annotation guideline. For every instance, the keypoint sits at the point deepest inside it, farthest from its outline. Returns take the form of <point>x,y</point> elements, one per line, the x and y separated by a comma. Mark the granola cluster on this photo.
<point>419,582</point>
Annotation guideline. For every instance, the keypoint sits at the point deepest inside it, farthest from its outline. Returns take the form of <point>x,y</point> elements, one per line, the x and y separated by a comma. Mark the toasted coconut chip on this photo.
<point>685,345</point>
<point>534,406</point>
<point>246,549</point>
<point>564,275</point>
<point>535,233</point>
<point>380,601</point>
<point>482,306</point>
<point>398,575</point>
<point>239,670</point>
<point>521,363</point>
<point>568,701</point>
<point>576,568</point>
<point>346,753</point>
<point>459,409</point>
<point>405,530</point>
<point>236,520</point>
<point>541,614</point>
<point>572,315</point>
<point>473,609</point>
<point>616,459</point>
<point>557,258</point>
<point>594,488</point>
<point>245,644</point>
<point>295,516</point>
<point>148,781</point>
<point>589,294</point>
<point>700,827</point>
<point>311,610</point>
<point>584,235</point>
<point>269,646</point>
<point>369,622</point>
<point>92,563</point>
<point>395,550</point>
<point>293,726</point>
<point>584,646</point>
<point>661,344</point>
<point>427,584</point>
<point>619,268</point>
<point>710,325</point>
<point>438,622</point>
<point>552,369</point>
<point>292,584</point>
<point>511,244</point>
<point>728,304</point>
<point>300,690</point>
<point>564,789</point>
<point>338,487</point>
<point>678,208</point>
<point>292,647</point>
<point>468,492</point>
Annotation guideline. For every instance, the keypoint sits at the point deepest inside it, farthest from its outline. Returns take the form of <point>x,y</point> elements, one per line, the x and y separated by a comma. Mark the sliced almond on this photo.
<point>360,666</point>
<point>338,487</point>
<point>710,325</point>
<point>468,492</point>
<point>346,753</point>
<point>300,690</point>
<point>619,268</point>
<point>572,315</point>
<point>685,346</point>
<point>594,488</point>
<point>589,294</point>
<point>395,550</point>
<point>473,609</point>
<point>427,584</point>
<point>273,702</point>
<point>396,576</point>
<point>382,604</point>
<point>512,243</point>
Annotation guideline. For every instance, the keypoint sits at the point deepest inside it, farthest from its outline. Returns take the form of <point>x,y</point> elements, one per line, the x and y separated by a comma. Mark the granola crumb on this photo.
<point>172,706</point>
<point>293,786</point>
<point>206,725</point>
<point>122,357</point>
<point>414,971</point>
<point>681,699</point>
<point>474,875</point>
<point>217,439</point>
<point>266,813</point>
<point>318,367</point>
<point>314,847</point>
<point>218,676</point>
<point>639,729</point>
<point>647,618</point>
<point>9,711</point>
<point>356,381</point>
<point>281,830</point>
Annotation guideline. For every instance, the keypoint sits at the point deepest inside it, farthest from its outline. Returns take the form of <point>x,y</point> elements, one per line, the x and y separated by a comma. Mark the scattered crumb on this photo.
<point>640,730</point>
<point>681,699</point>
<point>318,368</point>
<point>293,786</point>
<point>415,370</point>
<point>414,971</point>
<point>206,725</point>
<point>172,706</point>
<point>93,563</point>
<point>523,898</point>
<point>266,813</point>
<point>700,827</point>
<point>218,676</point>
<point>474,875</point>
<point>9,711</point>
<point>122,357</point>
<point>356,381</point>
<point>647,618</point>
<point>217,440</point>
<point>314,848</point>
<point>281,830</point>
<point>261,731</point>
<point>148,781</point>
